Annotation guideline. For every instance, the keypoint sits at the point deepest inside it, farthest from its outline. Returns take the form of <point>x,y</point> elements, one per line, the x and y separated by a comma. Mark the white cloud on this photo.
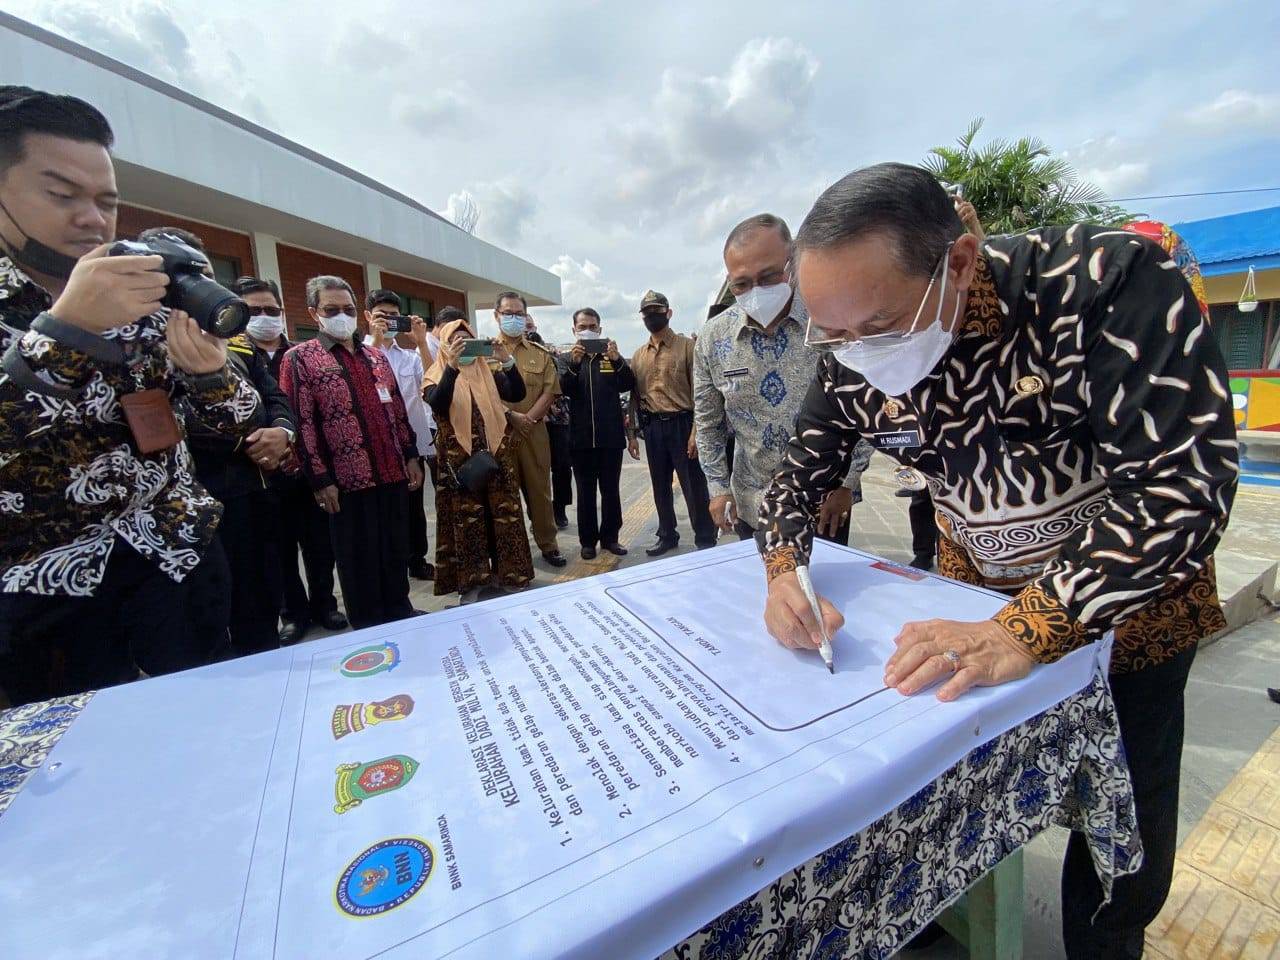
<point>582,284</point>
<point>1112,163</point>
<point>151,37</point>
<point>1238,111</point>
<point>430,112</point>
<point>506,208</point>
<point>374,50</point>
<point>704,130</point>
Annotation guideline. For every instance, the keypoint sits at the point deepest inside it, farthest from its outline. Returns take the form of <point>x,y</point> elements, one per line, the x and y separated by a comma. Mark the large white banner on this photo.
<point>593,769</point>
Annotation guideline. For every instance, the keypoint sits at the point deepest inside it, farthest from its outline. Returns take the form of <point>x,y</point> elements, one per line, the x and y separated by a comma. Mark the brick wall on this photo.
<point>440,297</point>
<point>297,267</point>
<point>220,242</point>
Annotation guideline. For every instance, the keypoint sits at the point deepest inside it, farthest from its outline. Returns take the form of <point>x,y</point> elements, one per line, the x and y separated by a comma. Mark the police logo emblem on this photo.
<point>357,782</point>
<point>384,876</point>
<point>367,661</point>
<point>353,717</point>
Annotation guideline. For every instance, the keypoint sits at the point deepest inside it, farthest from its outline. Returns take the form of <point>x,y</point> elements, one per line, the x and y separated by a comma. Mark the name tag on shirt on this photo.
<point>733,378</point>
<point>898,439</point>
<point>384,394</point>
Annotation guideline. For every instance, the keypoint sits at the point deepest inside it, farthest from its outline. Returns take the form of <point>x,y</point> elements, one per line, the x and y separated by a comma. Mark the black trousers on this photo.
<point>139,617</point>
<point>598,471</point>
<point>304,525</point>
<point>419,546</point>
<point>666,443</point>
<point>370,535</point>
<point>250,536</point>
<point>924,526</point>
<point>561,466</point>
<point>745,531</point>
<point>1149,704</point>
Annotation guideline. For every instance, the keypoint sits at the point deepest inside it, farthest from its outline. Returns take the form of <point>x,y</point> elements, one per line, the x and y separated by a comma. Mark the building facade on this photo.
<point>1226,248</point>
<point>264,205</point>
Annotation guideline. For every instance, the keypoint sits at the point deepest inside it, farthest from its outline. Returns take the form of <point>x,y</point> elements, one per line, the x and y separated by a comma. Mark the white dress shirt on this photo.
<point>407,366</point>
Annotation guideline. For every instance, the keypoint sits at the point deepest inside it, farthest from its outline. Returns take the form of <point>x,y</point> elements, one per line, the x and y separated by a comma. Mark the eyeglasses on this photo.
<point>816,336</point>
<point>269,311</point>
<point>770,279</point>
<point>332,311</point>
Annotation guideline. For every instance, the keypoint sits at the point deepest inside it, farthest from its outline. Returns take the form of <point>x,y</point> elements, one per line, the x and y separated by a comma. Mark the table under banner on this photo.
<point>618,766</point>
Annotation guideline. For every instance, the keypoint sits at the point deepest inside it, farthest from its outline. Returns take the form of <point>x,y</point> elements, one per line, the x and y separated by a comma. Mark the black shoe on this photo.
<point>588,553</point>
<point>705,546</point>
<point>1274,694</point>
<point>561,520</point>
<point>660,547</point>
<point>904,492</point>
<point>555,558</point>
<point>291,631</point>
<point>922,561</point>
<point>421,570</point>
<point>617,549</point>
<point>333,620</point>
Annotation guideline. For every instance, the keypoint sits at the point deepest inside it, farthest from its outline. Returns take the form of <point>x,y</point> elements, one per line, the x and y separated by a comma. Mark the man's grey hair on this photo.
<point>316,284</point>
<point>904,204</point>
<point>750,226</point>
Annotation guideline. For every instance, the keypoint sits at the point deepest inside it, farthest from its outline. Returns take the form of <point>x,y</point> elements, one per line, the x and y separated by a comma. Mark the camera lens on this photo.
<point>215,308</point>
<point>230,318</point>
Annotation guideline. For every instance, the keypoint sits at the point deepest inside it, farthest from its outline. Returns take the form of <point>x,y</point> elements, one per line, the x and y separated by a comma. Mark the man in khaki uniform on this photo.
<point>533,454</point>
<point>662,410</point>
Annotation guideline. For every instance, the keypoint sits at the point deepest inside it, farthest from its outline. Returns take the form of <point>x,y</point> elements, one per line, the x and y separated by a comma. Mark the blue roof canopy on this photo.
<point>1233,243</point>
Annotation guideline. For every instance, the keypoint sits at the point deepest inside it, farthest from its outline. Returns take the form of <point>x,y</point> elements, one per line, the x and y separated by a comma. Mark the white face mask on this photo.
<point>340,327</point>
<point>894,368</point>
<point>590,335</point>
<point>763,304</point>
<point>265,328</point>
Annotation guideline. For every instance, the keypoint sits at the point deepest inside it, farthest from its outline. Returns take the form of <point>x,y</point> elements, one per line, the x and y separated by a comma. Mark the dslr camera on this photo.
<point>215,308</point>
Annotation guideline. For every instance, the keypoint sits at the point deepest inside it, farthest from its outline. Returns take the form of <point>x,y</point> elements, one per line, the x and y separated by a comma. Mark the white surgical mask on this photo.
<point>763,304</point>
<point>512,326</point>
<point>590,335</point>
<point>894,368</point>
<point>340,326</point>
<point>264,328</point>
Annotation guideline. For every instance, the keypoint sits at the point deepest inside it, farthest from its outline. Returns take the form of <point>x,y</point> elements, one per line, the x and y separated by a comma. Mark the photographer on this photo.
<point>596,379</point>
<point>405,351</point>
<point>101,521</point>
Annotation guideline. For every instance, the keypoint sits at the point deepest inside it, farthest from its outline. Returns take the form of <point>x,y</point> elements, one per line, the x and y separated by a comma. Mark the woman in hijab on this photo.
<point>482,548</point>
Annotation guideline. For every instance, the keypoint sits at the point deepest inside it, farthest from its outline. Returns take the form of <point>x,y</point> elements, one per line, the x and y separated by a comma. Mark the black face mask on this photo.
<point>37,257</point>
<point>656,321</point>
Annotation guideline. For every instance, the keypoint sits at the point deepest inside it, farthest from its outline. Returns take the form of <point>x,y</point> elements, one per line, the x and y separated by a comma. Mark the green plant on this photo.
<point>1016,185</point>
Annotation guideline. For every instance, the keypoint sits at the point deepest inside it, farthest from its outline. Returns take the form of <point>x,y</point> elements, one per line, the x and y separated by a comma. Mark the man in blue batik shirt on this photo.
<point>751,372</point>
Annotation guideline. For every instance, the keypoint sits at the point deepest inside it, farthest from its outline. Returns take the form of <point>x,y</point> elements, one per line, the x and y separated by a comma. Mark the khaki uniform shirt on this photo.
<point>538,370</point>
<point>664,373</point>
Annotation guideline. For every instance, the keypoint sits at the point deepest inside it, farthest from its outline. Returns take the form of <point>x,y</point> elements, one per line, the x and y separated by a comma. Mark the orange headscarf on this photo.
<point>474,382</point>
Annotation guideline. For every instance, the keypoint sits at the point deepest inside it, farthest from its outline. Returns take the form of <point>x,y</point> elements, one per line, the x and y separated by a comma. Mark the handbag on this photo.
<point>476,472</point>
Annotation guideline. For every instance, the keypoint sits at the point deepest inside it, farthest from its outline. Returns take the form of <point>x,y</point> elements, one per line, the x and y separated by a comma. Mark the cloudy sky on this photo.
<point>616,143</point>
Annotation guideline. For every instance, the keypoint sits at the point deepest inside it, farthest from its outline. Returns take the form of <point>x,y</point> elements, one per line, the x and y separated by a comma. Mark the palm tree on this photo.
<point>1016,186</point>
